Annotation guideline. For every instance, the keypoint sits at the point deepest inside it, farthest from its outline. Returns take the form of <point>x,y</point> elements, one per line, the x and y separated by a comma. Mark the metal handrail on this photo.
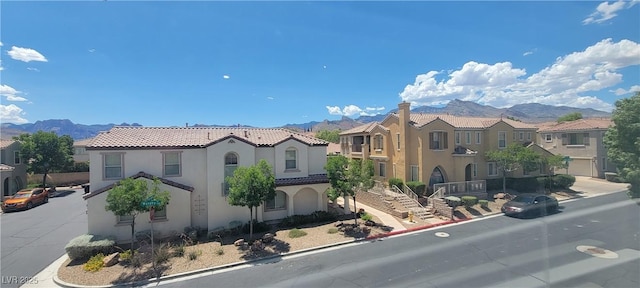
<point>407,191</point>
<point>438,194</point>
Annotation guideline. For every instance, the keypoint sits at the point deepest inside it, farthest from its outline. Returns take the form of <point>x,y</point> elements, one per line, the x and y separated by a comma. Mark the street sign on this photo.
<point>567,158</point>
<point>150,203</point>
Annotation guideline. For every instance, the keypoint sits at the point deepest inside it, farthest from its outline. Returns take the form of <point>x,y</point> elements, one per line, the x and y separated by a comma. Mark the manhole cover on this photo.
<point>442,234</point>
<point>597,252</point>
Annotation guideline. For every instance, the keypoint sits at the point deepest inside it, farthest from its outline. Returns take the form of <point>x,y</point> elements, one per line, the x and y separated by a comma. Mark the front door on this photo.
<point>467,173</point>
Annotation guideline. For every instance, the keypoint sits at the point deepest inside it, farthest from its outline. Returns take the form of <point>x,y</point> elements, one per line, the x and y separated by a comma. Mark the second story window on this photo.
<point>468,137</point>
<point>171,164</point>
<point>113,165</point>
<point>575,139</point>
<point>478,137</point>
<point>457,138</point>
<point>230,165</point>
<point>438,141</point>
<point>291,159</point>
<point>547,138</point>
<point>16,157</point>
<point>378,142</point>
<point>502,139</point>
<point>398,140</point>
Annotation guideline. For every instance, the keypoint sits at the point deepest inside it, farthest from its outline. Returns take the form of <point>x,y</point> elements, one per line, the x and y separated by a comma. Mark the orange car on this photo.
<point>25,199</point>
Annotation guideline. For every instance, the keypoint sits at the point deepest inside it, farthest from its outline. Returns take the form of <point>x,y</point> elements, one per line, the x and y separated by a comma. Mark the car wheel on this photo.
<point>29,205</point>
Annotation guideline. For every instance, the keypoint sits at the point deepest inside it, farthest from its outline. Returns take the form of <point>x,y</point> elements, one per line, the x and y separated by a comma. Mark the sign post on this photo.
<point>567,159</point>
<point>151,203</point>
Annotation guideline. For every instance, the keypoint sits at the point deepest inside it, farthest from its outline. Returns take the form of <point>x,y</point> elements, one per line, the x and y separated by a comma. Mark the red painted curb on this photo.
<point>415,229</point>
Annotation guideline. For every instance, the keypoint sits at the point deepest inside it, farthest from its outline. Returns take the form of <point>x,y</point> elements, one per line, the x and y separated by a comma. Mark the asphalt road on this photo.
<point>32,239</point>
<point>494,252</point>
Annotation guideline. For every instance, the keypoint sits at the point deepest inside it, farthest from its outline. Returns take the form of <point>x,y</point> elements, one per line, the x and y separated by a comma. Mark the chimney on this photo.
<point>208,135</point>
<point>186,124</point>
<point>404,114</point>
<point>246,134</point>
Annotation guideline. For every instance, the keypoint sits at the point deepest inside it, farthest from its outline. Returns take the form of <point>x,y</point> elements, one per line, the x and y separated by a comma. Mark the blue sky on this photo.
<point>267,64</point>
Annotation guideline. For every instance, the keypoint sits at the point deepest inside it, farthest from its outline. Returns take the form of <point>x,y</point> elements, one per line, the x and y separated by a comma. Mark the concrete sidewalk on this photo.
<point>385,218</point>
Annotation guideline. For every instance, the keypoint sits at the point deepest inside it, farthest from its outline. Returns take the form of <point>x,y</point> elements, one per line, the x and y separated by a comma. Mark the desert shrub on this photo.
<point>396,182</point>
<point>323,216</point>
<point>332,230</point>
<point>315,217</point>
<point>529,184</point>
<point>162,253</point>
<point>257,227</point>
<point>366,216</point>
<point>193,255</point>
<point>219,251</point>
<point>469,201</point>
<point>178,251</point>
<point>125,256</point>
<point>563,181</point>
<point>87,245</point>
<point>296,233</point>
<point>95,263</point>
<point>452,201</point>
<point>137,260</point>
<point>417,187</point>
<point>483,203</point>
<point>543,181</point>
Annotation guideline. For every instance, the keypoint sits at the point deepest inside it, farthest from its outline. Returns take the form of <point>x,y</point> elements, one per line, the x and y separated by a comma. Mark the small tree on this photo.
<point>250,187</point>
<point>332,136</point>
<point>570,117</point>
<point>45,152</point>
<point>126,197</point>
<point>623,141</point>
<point>347,177</point>
<point>514,157</point>
<point>552,163</point>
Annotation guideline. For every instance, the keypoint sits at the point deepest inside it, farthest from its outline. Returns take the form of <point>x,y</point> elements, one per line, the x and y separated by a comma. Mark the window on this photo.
<point>575,139</point>
<point>16,157</point>
<point>438,140</point>
<point>457,138</point>
<point>478,137</point>
<point>291,159</point>
<point>547,138</point>
<point>279,202</point>
<point>112,164</point>
<point>382,169</point>
<point>414,173</point>
<point>125,219</point>
<point>468,137</point>
<point>377,142</point>
<point>521,136</point>
<point>474,170</point>
<point>528,136</point>
<point>171,166</point>
<point>230,165</point>
<point>502,139</point>
<point>160,214</point>
<point>492,169</point>
<point>604,163</point>
<point>398,140</point>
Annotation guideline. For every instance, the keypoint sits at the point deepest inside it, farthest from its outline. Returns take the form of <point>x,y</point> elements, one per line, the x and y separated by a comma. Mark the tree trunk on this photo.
<point>44,179</point>
<point>355,218</point>
<point>133,235</point>
<point>251,223</point>
<point>504,181</point>
<point>347,210</point>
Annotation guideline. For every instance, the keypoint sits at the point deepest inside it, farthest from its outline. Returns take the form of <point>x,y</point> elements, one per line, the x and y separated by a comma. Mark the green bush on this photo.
<point>494,184</point>
<point>483,203</point>
<point>178,251</point>
<point>315,217</point>
<point>257,227</point>
<point>417,187</point>
<point>523,185</point>
<point>366,216</point>
<point>332,230</point>
<point>95,263</point>
<point>125,256</point>
<point>396,182</point>
<point>469,201</point>
<point>87,245</point>
<point>563,181</point>
<point>162,253</point>
<point>296,233</point>
<point>193,255</point>
<point>452,201</point>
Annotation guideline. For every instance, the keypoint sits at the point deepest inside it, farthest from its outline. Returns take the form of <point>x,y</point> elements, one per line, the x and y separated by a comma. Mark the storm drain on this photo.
<point>597,252</point>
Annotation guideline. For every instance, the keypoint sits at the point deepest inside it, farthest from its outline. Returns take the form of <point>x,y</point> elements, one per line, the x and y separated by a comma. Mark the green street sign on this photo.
<point>150,203</point>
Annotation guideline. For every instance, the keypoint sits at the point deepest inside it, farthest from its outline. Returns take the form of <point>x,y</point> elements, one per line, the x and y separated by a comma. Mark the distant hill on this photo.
<point>532,113</point>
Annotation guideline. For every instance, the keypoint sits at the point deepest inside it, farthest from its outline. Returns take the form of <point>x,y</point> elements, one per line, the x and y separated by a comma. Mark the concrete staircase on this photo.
<point>419,211</point>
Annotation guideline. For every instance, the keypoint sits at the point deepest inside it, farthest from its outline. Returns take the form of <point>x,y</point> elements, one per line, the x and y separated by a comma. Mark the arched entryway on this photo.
<point>437,176</point>
<point>305,202</point>
<point>467,173</point>
<point>5,187</point>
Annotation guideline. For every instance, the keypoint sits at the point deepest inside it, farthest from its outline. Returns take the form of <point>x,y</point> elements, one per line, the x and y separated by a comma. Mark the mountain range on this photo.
<point>532,113</point>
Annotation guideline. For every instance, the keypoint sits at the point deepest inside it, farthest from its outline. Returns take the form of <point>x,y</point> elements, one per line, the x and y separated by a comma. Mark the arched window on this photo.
<point>279,202</point>
<point>230,165</point>
<point>436,177</point>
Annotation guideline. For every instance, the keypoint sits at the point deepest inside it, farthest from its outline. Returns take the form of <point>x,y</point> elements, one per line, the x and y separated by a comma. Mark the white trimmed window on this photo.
<point>230,165</point>
<point>112,165</point>
<point>478,137</point>
<point>160,214</point>
<point>414,173</point>
<point>438,141</point>
<point>382,169</point>
<point>16,157</point>
<point>502,139</point>
<point>279,202</point>
<point>468,137</point>
<point>548,138</point>
<point>492,169</point>
<point>378,142</point>
<point>521,136</point>
<point>528,136</point>
<point>291,159</point>
<point>171,164</point>
<point>457,138</point>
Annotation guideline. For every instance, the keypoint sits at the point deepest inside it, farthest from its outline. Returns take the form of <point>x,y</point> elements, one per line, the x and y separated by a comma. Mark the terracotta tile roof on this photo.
<point>365,128</point>
<point>311,179</point>
<point>421,119</point>
<point>6,143</point>
<point>333,148</point>
<point>141,175</point>
<point>193,137</point>
<point>580,125</point>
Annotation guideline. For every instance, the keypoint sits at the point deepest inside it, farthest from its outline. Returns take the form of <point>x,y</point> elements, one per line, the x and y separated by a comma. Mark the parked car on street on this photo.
<point>531,204</point>
<point>26,199</point>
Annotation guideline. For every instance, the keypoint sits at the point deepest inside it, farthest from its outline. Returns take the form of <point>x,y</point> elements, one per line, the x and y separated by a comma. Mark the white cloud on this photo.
<point>11,114</point>
<point>26,54</point>
<point>270,98</point>
<point>92,50</point>
<point>620,91</point>
<point>565,82</point>
<point>1,44</point>
<point>226,76</point>
<point>353,110</point>
<point>606,11</point>
<point>33,69</point>
<point>374,108</point>
<point>11,93</point>
<point>529,52</point>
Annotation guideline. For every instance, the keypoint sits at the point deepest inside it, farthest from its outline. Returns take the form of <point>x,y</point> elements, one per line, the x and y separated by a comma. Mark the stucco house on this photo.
<point>434,148</point>
<point>192,163</point>
<point>13,169</point>
<point>80,153</point>
<point>583,141</point>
